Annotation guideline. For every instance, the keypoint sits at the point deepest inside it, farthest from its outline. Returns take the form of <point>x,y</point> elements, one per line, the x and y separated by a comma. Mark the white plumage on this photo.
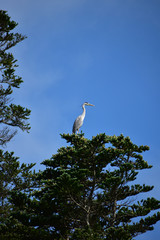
<point>79,120</point>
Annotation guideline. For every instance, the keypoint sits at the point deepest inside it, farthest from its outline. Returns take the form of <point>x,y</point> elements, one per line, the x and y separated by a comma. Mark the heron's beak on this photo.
<point>90,105</point>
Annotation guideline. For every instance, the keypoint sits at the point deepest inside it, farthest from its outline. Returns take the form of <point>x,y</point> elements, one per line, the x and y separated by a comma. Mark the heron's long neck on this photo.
<point>84,111</point>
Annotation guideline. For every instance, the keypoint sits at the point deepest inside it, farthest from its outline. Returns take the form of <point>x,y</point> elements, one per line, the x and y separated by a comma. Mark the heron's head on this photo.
<point>88,104</point>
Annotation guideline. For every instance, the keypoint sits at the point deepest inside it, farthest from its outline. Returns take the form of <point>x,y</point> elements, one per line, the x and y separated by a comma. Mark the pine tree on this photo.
<point>13,176</point>
<point>87,191</point>
<point>11,115</point>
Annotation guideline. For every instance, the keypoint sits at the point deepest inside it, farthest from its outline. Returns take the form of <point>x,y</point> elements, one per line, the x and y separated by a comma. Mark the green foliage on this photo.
<point>13,177</point>
<point>14,230</point>
<point>11,115</point>
<point>86,191</point>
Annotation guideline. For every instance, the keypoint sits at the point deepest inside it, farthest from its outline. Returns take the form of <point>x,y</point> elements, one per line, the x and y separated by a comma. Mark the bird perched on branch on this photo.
<point>79,120</point>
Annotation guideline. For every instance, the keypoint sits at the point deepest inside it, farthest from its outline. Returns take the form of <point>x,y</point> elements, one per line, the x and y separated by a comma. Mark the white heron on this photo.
<point>79,120</point>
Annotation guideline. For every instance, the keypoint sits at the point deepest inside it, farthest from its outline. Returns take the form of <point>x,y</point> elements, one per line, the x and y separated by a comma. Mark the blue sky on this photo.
<point>105,52</point>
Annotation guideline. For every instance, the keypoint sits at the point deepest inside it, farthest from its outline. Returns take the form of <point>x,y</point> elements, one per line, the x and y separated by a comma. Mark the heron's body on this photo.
<point>79,120</point>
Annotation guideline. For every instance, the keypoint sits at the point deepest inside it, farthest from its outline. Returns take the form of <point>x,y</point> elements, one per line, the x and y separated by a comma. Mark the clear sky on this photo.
<point>105,52</point>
